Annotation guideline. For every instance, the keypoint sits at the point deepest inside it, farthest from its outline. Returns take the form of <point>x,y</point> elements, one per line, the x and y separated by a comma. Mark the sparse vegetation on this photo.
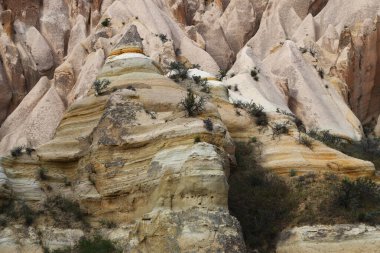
<point>100,85</point>
<point>208,124</point>
<point>255,110</point>
<point>192,104</point>
<point>180,71</point>
<point>42,174</point>
<point>280,128</point>
<point>197,139</point>
<point>66,207</point>
<point>108,224</point>
<point>306,141</point>
<point>106,22</point>
<point>255,74</point>
<point>163,37</point>
<point>14,210</point>
<point>17,151</point>
<point>222,74</point>
<point>262,201</point>
<point>321,73</point>
<point>326,137</point>
<point>204,84</point>
<point>97,244</point>
<point>29,151</point>
<point>197,79</point>
<point>196,66</point>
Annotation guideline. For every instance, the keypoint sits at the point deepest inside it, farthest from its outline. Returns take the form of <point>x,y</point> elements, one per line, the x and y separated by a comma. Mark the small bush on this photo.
<point>197,139</point>
<point>292,173</point>
<point>29,151</point>
<point>222,74</point>
<point>180,69</point>
<point>42,174</point>
<point>197,79</point>
<point>261,201</point>
<point>262,120</point>
<point>100,85</point>
<point>255,110</point>
<point>321,73</point>
<point>17,151</point>
<point>196,66</point>
<point>255,74</point>
<point>108,224</point>
<point>106,22</point>
<point>357,194</point>
<point>130,87</point>
<point>67,182</point>
<point>163,37</point>
<point>96,244</point>
<point>236,88</point>
<point>326,137</point>
<point>192,104</point>
<point>208,124</point>
<point>253,139</point>
<point>280,128</point>
<point>303,50</point>
<point>204,84</point>
<point>66,206</point>
<point>306,141</point>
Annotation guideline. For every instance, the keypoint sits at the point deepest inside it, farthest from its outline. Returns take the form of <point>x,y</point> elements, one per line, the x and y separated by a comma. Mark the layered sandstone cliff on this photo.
<point>129,152</point>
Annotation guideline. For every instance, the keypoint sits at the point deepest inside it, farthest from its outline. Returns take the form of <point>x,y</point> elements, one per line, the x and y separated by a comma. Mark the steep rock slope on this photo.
<point>130,156</point>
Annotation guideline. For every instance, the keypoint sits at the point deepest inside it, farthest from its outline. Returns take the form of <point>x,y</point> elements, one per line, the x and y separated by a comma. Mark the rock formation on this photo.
<point>83,94</point>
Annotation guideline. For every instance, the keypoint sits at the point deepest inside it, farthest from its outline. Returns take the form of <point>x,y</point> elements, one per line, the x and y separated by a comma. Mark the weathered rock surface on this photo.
<point>338,238</point>
<point>130,152</point>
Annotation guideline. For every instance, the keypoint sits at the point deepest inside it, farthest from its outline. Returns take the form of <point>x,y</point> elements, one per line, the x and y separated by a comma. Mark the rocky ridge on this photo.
<point>130,153</point>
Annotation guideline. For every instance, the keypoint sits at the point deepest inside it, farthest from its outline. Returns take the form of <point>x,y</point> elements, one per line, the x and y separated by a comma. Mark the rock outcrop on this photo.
<point>339,238</point>
<point>83,94</point>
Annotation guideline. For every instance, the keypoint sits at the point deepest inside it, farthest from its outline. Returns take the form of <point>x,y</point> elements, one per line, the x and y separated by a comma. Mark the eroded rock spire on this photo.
<point>130,42</point>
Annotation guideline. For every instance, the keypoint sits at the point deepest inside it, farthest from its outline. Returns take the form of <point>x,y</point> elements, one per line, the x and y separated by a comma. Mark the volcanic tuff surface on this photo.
<point>129,153</point>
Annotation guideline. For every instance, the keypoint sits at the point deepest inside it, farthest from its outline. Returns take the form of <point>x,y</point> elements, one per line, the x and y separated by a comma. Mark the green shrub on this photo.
<point>163,37</point>
<point>106,22</point>
<point>367,149</point>
<point>326,137</point>
<point>321,73</point>
<point>108,224</point>
<point>42,174</point>
<point>254,139</point>
<point>100,85</point>
<point>180,71</point>
<point>255,73</point>
<point>17,151</point>
<point>197,79</point>
<point>293,173</point>
<point>204,84</point>
<point>262,120</point>
<point>28,214</point>
<point>208,124</point>
<point>29,151</point>
<point>306,141</point>
<point>261,201</point>
<point>66,206</point>
<point>357,194</point>
<point>222,74</point>
<point>280,128</point>
<point>196,66</point>
<point>15,210</point>
<point>96,244</point>
<point>192,104</point>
